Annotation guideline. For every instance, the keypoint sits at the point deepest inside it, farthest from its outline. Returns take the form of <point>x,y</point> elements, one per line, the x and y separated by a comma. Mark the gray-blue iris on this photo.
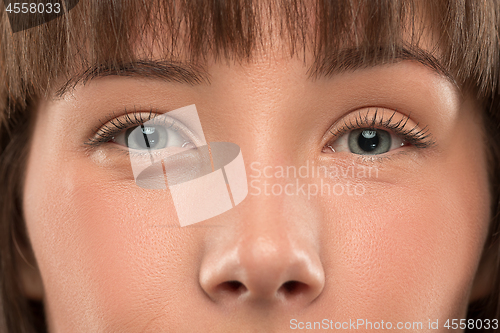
<point>145,137</point>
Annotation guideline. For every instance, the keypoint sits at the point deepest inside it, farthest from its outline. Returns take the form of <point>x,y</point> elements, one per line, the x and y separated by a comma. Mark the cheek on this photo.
<point>106,248</point>
<point>411,243</point>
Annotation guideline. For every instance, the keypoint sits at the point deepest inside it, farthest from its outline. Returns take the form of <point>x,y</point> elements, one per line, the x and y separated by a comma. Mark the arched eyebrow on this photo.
<point>351,59</point>
<point>326,66</point>
<point>170,71</point>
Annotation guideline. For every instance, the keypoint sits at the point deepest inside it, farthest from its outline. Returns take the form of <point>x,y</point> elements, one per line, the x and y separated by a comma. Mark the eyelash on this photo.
<point>114,125</point>
<point>419,138</point>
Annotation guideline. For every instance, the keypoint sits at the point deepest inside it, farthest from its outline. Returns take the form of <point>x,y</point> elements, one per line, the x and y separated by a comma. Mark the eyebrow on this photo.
<point>326,66</point>
<point>352,59</point>
<point>169,71</point>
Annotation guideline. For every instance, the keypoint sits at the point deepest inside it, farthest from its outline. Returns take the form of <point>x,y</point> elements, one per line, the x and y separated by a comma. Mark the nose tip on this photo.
<point>263,270</point>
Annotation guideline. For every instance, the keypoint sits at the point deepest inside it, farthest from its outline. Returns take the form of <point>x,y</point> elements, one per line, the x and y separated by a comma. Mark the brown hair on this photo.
<point>101,35</point>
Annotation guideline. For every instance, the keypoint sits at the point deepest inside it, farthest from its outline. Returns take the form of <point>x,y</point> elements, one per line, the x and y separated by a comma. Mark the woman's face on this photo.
<point>392,231</point>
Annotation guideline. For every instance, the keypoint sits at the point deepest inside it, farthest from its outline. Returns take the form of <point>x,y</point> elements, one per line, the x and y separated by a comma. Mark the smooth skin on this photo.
<point>112,257</point>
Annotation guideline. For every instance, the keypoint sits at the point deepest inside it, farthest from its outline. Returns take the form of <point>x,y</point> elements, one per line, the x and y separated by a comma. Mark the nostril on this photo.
<point>291,288</point>
<point>233,287</point>
<point>288,289</point>
<point>256,271</point>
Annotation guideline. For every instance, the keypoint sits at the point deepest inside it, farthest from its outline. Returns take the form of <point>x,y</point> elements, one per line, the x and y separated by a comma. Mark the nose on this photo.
<point>264,257</point>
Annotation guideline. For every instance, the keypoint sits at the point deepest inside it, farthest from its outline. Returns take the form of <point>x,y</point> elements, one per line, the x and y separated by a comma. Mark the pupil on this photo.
<point>368,140</point>
<point>146,137</point>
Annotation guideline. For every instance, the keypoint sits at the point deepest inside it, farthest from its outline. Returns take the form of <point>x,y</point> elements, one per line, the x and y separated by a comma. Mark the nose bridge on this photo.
<point>267,238</point>
<point>266,248</point>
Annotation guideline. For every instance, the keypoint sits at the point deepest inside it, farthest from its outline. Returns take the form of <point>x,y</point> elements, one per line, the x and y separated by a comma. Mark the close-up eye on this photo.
<point>375,132</point>
<point>143,131</point>
<point>151,137</point>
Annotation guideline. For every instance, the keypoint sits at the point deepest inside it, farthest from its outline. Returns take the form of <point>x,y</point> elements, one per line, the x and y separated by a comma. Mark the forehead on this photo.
<point>152,61</point>
<point>337,35</point>
<point>237,30</point>
<point>182,48</point>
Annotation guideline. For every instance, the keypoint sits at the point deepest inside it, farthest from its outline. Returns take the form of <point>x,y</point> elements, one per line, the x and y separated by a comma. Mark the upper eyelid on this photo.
<point>116,121</point>
<point>361,121</point>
